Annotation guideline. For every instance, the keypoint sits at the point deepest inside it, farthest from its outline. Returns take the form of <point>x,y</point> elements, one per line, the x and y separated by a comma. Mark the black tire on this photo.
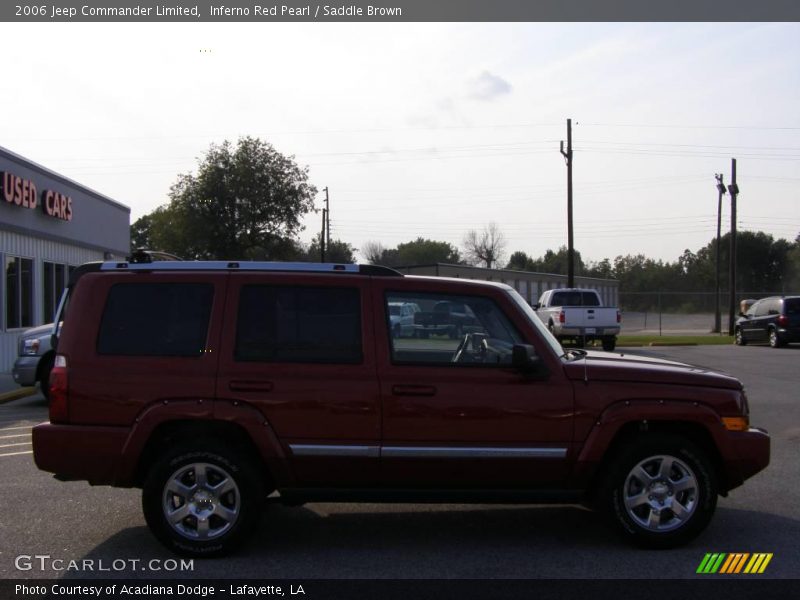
<point>396,331</point>
<point>738,337</point>
<point>45,366</point>
<point>774,339</point>
<point>652,482</point>
<point>609,343</point>
<point>424,334</point>
<point>229,506</point>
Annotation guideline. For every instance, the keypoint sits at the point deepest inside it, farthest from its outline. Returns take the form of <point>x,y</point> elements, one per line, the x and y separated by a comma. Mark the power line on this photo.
<point>618,143</point>
<point>675,126</point>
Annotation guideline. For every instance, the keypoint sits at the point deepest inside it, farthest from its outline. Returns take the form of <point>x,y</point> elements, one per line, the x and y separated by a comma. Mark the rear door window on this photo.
<point>299,324</point>
<point>155,319</point>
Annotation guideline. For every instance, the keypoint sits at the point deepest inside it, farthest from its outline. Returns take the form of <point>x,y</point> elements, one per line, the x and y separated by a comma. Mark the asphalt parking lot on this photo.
<point>73,521</point>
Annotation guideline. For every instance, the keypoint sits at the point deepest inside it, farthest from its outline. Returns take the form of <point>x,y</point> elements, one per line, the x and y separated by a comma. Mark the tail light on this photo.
<point>783,320</point>
<point>619,317</point>
<point>59,391</point>
<point>562,317</point>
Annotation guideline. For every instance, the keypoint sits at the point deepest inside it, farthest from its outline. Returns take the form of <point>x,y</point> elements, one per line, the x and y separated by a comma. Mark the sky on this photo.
<point>430,130</point>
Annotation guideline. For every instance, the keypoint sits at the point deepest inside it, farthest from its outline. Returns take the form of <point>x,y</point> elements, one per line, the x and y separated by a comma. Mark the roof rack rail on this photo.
<point>235,265</point>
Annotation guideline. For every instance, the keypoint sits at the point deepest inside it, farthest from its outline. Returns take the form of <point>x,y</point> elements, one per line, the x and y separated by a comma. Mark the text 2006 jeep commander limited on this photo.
<point>213,384</point>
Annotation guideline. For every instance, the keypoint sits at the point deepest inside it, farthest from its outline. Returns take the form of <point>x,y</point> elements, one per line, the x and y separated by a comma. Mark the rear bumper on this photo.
<point>789,334</point>
<point>752,453</point>
<point>74,452</point>
<point>598,331</point>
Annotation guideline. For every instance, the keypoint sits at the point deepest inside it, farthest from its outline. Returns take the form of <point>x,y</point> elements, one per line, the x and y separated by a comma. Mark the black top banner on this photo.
<point>403,10</point>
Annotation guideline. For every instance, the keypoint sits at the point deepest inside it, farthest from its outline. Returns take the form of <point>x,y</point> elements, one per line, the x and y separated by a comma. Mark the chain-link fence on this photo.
<point>678,313</point>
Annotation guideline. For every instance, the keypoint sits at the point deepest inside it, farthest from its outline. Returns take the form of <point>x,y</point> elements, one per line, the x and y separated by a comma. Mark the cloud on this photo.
<point>488,87</point>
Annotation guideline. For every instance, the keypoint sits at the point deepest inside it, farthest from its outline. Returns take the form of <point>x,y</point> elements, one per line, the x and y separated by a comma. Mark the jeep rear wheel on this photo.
<point>201,502</point>
<point>662,491</point>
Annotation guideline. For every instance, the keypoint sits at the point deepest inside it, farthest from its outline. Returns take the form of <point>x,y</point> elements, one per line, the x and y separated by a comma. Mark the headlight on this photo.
<point>30,346</point>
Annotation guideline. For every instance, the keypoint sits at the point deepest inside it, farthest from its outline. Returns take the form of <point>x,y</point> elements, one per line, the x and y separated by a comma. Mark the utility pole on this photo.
<point>327,220</point>
<point>717,309</point>
<point>570,240</point>
<point>733,190</point>
<point>322,235</point>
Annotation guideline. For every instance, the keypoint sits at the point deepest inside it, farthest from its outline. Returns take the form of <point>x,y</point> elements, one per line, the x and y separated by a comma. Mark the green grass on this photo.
<point>674,340</point>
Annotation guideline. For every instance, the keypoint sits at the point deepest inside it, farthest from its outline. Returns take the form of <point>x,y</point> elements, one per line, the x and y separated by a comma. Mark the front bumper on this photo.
<point>24,370</point>
<point>752,453</point>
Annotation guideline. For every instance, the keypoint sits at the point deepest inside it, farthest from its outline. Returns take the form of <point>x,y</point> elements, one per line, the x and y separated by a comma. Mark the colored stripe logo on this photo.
<point>734,563</point>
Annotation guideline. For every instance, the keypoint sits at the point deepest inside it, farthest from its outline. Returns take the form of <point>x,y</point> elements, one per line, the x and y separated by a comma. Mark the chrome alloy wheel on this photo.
<point>201,501</point>
<point>660,493</point>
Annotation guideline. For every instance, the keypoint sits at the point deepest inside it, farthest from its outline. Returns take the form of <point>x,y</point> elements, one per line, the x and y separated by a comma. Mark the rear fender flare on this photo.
<point>247,418</point>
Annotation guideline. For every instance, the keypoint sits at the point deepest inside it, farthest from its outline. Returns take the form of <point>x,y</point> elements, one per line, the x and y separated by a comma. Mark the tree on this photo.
<point>792,276</point>
<point>761,263</point>
<point>245,201</point>
<point>602,269</point>
<point>337,252</point>
<point>422,251</point>
<point>487,246</point>
<point>140,233</point>
<point>373,252</point>
<point>557,262</point>
<point>417,252</point>
<point>519,261</point>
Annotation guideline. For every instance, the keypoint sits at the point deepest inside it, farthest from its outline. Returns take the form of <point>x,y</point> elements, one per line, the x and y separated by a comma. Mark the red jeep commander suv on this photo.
<point>211,385</point>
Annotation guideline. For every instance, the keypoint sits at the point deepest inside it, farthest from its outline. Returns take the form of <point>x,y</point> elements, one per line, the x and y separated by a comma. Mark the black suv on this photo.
<point>774,320</point>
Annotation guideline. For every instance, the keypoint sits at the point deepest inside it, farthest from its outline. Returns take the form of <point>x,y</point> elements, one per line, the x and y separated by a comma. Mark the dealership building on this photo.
<point>48,226</point>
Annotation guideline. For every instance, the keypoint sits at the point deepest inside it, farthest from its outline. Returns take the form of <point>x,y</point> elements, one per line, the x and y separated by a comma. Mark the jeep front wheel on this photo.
<point>662,491</point>
<point>201,502</point>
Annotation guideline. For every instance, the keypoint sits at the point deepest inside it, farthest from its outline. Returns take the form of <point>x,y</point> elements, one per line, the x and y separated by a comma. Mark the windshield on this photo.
<point>537,323</point>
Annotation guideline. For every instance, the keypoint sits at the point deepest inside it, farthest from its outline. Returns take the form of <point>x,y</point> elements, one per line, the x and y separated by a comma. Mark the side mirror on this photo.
<point>525,360</point>
<point>741,314</point>
<point>536,306</point>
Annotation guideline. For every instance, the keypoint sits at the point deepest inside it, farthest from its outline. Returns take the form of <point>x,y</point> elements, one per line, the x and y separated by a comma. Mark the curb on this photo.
<point>17,394</point>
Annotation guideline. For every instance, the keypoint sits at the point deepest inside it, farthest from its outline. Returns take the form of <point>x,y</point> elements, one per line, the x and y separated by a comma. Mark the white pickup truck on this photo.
<point>578,314</point>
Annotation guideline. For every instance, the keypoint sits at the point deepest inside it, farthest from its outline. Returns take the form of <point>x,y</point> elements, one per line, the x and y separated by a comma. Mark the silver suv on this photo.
<point>35,358</point>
